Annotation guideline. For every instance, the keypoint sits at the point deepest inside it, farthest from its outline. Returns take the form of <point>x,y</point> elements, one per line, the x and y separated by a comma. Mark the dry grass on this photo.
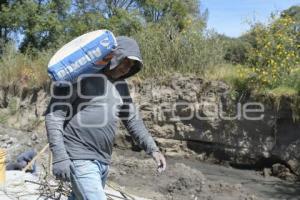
<point>21,69</point>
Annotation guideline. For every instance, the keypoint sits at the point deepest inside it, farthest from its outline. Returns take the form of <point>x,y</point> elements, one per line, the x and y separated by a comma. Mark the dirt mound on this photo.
<point>191,184</point>
<point>136,172</point>
<point>188,182</point>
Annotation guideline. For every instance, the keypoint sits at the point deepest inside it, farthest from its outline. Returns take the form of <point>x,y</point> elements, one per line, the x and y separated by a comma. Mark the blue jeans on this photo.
<point>88,179</point>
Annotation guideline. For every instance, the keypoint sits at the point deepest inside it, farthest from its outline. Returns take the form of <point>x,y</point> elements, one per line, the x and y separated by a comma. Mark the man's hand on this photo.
<point>62,170</point>
<point>160,161</point>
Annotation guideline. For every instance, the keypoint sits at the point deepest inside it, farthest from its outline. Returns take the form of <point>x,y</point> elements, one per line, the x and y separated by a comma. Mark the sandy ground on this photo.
<point>187,179</point>
<point>190,179</point>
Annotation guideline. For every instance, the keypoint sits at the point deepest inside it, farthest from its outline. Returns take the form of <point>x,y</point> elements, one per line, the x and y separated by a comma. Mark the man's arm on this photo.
<point>55,116</point>
<point>136,128</point>
<point>133,122</point>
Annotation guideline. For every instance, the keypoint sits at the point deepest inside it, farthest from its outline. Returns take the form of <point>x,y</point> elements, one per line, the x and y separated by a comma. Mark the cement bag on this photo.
<point>85,54</point>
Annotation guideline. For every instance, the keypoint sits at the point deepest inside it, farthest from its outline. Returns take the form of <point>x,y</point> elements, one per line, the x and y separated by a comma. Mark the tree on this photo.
<point>44,24</point>
<point>113,5</point>
<point>294,13</point>
<point>236,50</point>
<point>180,12</point>
<point>4,29</point>
<point>40,22</point>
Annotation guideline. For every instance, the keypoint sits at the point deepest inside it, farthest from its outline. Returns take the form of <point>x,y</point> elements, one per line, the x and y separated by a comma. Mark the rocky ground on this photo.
<point>186,177</point>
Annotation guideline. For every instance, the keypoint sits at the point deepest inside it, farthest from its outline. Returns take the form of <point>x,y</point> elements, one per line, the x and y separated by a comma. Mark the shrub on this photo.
<point>165,50</point>
<point>237,51</point>
<point>22,69</point>
<point>276,52</point>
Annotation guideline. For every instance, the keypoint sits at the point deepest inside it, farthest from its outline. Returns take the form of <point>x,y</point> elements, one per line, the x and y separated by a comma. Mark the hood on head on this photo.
<point>127,48</point>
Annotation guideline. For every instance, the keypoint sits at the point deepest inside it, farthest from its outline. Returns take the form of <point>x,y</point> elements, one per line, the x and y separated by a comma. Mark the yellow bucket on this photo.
<point>2,165</point>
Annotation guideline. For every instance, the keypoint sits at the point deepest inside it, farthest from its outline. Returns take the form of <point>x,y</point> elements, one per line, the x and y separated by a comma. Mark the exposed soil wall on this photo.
<point>188,116</point>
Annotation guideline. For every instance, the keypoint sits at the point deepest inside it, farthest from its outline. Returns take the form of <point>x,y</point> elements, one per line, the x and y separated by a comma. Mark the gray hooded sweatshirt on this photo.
<point>81,119</point>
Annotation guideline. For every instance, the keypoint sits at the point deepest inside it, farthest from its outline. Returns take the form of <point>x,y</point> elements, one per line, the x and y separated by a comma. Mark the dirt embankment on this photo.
<point>189,115</point>
<point>190,118</point>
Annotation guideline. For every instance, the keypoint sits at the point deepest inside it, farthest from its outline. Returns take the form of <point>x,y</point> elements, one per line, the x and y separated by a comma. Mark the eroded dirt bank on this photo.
<point>186,113</point>
<point>180,114</point>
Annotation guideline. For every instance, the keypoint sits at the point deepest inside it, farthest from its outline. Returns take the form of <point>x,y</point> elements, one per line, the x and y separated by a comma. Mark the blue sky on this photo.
<point>230,16</point>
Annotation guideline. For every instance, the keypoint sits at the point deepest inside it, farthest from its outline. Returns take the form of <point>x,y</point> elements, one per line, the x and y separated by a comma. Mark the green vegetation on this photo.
<point>272,66</point>
<point>3,118</point>
<point>23,69</point>
<point>13,106</point>
<point>184,52</point>
<point>276,53</point>
<point>172,35</point>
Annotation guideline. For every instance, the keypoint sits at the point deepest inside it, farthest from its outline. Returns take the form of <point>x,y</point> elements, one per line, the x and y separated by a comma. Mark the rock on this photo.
<point>267,172</point>
<point>165,131</point>
<point>202,156</point>
<point>278,169</point>
<point>294,165</point>
<point>29,144</point>
<point>11,141</point>
<point>34,137</point>
<point>5,137</point>
<point>123,173</point>
<point>283,172</point>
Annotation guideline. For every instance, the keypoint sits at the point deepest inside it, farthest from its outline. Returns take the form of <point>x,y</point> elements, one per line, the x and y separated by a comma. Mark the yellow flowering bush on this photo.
<point>275,53</point>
